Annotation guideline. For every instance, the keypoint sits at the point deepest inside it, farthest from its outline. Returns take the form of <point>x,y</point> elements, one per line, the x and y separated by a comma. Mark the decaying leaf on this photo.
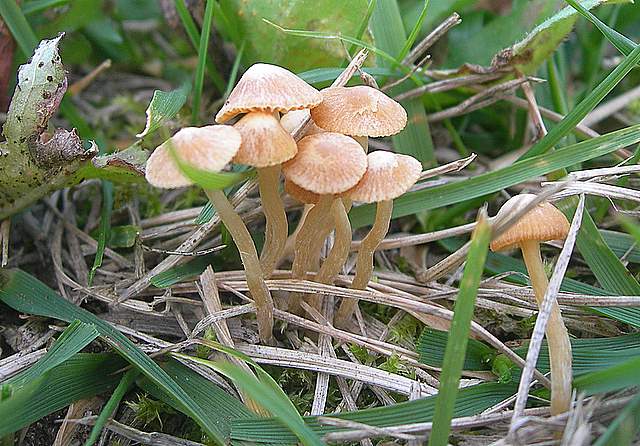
<point>124,166</point>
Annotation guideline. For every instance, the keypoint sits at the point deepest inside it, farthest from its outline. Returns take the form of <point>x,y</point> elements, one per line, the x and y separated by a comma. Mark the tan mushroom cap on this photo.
<point>264,141</point>
<point>359,111</point>
<point>207,148</point>
<point>388,176</point>
<point>271,88</point>
<point>300,193</point>
<point>543,223</point>
<point>326,163</point>
<point>290,121</point>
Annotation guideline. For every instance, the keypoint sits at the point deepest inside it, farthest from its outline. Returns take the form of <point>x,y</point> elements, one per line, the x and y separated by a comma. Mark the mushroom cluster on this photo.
<point>326,169</point>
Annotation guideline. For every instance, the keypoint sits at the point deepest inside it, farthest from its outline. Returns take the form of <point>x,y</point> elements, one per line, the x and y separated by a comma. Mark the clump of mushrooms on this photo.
<point>211,148</point>
<point>543,223</point>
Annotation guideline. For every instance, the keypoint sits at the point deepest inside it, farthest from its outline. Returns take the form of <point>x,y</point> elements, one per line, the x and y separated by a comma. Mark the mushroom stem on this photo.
<point>276,219</point>
<point>306,245</point>
<point>364,261</point>
<point>249,256</point>
<point>339,251</point>
<point>556,332</point>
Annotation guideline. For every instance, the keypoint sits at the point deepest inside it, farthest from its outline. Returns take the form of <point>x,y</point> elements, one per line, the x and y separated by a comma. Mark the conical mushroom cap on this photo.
<point>207,148</point>
<point>326,163</point>
<point>543,223</point>
<point>270,88</point>
<point>359,111</point>
<point>388,176</point>
<point>300,194</point>
<point>264,141</point>
<point>291,120</point>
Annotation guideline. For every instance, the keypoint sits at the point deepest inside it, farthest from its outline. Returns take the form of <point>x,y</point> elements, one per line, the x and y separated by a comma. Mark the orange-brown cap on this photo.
<point>209,148</point>
<point>292,120</point>
<point>542,223</point>
<point>264,141</point>
<point>300,194</point>
<point>326,163</point>
<point>388,176</point>
<point>359,111</point>
<point>271,88</point>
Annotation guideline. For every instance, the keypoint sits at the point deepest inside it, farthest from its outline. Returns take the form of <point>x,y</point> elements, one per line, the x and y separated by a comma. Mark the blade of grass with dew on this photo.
<point>487,183</point>
<point>26,294</point>
<point>459,332</point>
<point>564,127</point>
<point>194,37</point>
<point>82,376</point>
<point>73,339</point>
<point>390,36</point>
<point>104,228</point>
<point>413,35</point>
<point>164,105</point>
<point>112,404</point>
<point>216,403</point>
<point>203,49</point>
<point>621,42</point>
<point>263,391</point>
<point>623,429</point>
<point>182,272</point>
<point>471,401</point>
<point>35,6</point>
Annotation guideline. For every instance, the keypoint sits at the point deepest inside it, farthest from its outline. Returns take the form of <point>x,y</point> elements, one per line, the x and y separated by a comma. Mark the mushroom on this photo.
<point>265,145</point>
<point>211,148</point>
<point>359,111</point>
<point>388,176</point>
<point>268,89</point>
<point>327,164</point>
<point>543,223</point>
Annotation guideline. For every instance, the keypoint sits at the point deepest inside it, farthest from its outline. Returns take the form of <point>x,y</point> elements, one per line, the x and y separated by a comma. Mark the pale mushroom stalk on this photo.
<point>556,332</point>
<point>542,223</point>
<point>364,261</point>
<point>277,227</point>
<point>339,251</point>
<point>249,256</point>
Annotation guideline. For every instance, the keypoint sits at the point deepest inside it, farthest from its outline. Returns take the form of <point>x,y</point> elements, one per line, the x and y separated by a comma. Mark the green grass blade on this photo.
<point>618,377</point>
<point>564,127</point>
<point>432,343</point>
<point>364,24</point>
<point>233,75</point>
<point>109,408</point>
<point>35,6</point>
<point>82,376</point>
<point>454,354</point>
<point>495,181</point>
<point>413,35</point>
<point>164,106</point>
<point>203,49</point>
<point>206,214</point>
<point>471,400</point>
<point>181,272</point>
<point>73,339</point>
<point>19,27</point>
<point>623,429</point>
<point>187,21</point>
<point>621,42</point>
<point>390,36</point>
<point>320,75</point>
<point>25,293</point>
<point>105,226</point>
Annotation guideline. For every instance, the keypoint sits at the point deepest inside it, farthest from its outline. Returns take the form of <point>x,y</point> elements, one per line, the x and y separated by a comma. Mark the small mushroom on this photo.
<point>211,148</point>
<point>359,111</point>
<point>543,223</point>
<point>265,145</point>
<point>262,92</point>
<point>388,176</point>
<point>327,164</point>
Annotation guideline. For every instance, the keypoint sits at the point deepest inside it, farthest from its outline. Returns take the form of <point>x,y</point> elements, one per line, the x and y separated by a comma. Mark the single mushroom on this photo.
<point>262,92</point>
<point>211,148</point>
<point>388,176</point>
<point>543,223</point>
<point>360,111</point>
<point>265,146</point>
<point>327,164</point>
